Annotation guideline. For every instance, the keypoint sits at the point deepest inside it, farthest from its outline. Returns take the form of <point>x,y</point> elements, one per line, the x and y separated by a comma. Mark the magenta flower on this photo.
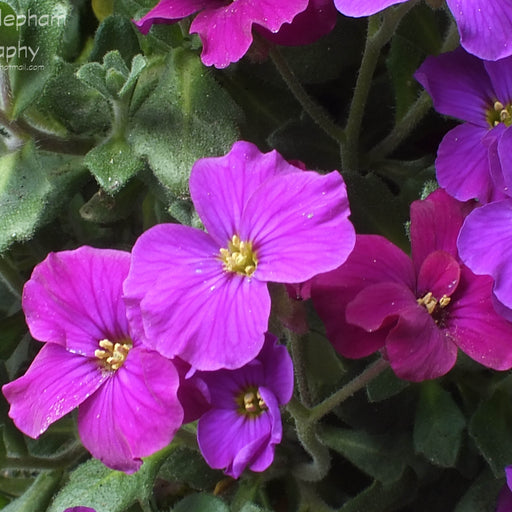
<point>505,497</point>
<point>485,246</point>
<point>484,26</point>
<point>126,394</point>
<point>225,28</point>
<point>473,160</point>
<point>243,425</point>
<point>419,311</point>
<point>203,296</point>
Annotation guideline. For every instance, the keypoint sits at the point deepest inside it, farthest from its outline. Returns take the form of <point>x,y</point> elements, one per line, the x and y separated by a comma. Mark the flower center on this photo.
<point>434,306</point>
<point>250,403</point>
<point>239,257</point>
<point>499,113</point>
<point>112,355</point>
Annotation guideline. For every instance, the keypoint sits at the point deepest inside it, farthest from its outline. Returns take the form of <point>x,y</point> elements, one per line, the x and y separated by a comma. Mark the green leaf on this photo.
<point>438,426</point>
<point>383,456</point>
<point>42,38</point>
<point>32,188</point>
<point>482,495</point>
<point>384,386</point>
<point>490,428</point>
<point>94,75</point>
<point>94,485</point>
<point>12,328</point>
<point>38,495</point>
<point>187,117</point>
<point>9,33</point>
<point>200,502</point>
<point>113,164</point>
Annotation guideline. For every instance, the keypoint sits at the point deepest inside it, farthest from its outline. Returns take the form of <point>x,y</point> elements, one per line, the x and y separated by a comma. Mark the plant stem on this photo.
<point>377,37</point>
<point>359,382</point>
<point>318,468</point>
<point>316,111</point>
<point>297,350</point>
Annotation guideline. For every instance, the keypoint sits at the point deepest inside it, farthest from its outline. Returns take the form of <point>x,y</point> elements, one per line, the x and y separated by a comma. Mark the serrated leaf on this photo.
<point>94,485</point>
<point>438,425</point>
<point>187,117</point>
<point>490,427</point>
<point>383,456</point>
<point>138,64</point>
<point>113,164</point>
<point>38,495</point>
<point>94,75</point>
<point>197,502</point>
<point>44,36</point>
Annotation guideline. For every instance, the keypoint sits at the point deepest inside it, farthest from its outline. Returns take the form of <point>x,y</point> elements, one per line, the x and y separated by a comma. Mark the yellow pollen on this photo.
<point>112,355</point>
<point>239,257</point>
<point>431,303</point>
<point>500,113</point>
<point>250,403</point>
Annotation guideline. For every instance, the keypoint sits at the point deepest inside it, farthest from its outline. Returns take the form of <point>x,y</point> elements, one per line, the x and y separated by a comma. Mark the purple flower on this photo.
<point>225,28</point>
<point>126,394</point>
<point>484,26</point>
<point>474,159</point>
<point>485,246</point>
<point>203,296</point>
<point>505,497</point>
<point>244,423</point>
<point>417,311</point>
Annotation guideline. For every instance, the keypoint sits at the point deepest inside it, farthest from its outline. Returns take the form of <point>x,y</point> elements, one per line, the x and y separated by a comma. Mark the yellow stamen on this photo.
<point>112,355</point>
<point>239,257</point>
<point>500,113</point>
<point>251,403</point>
<point>431,303</point>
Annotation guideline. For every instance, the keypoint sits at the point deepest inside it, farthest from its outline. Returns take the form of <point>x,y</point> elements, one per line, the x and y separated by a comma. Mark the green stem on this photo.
<point>359,382</point>
<point>316,111</point>
<point>318,468</point>
<point>416,112</point>
<point>377,37</point>
<point>299,363</point>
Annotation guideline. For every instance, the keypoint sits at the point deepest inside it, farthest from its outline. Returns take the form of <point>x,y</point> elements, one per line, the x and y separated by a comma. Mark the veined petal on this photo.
<point>439,274</point>
<point>459,85</point>
<point>299,226</point>
<point>169,11</point>
<point>56,383</point>
<point>213,319</point>
<point>221,186</point>
<point>476,327</point>
<point>418,349</point>
<point>226,30</point>
<point>504,148</point>
<point>373,260</point>
<point>485,245</point>
<point>358,8</point>
<point>462,163</point>
<point>73,298</point>
<point>134,414</point>
<point>435,225</point>
<point>484,26</point>
<point>379,304</point>
<point>499,72</point>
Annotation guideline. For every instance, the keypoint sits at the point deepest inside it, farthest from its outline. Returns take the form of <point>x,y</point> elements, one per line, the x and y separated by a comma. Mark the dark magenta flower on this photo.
<point>505,497</point>
<point>485,246</point>
<point>225,27</point>
<point>474,159</point>
<point>203,296</point>
<point>126,394</point>
<point>484,26</point>
<point>417,311</point>
<point>243,425</point>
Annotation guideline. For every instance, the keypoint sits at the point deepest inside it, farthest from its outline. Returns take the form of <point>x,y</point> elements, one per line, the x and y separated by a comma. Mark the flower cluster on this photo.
<point>124,334</point>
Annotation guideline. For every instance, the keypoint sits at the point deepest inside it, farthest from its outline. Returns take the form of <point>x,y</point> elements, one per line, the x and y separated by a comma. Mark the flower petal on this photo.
<point>418,349</point>
<point>485,245</point>
<point>484,26</point>
<point>56,383</point>
<point>439,274</point>
<point>462,163</point>
<point>226,30</point>
<point>73,298</point>
<point>373,260</point>
<point>169,11</point>
<point>459,85</point>
<point>220,187</point>
<point>476,327</point>
<point>134,414</point>
<point>358,8</point>
<point>298,224</point>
